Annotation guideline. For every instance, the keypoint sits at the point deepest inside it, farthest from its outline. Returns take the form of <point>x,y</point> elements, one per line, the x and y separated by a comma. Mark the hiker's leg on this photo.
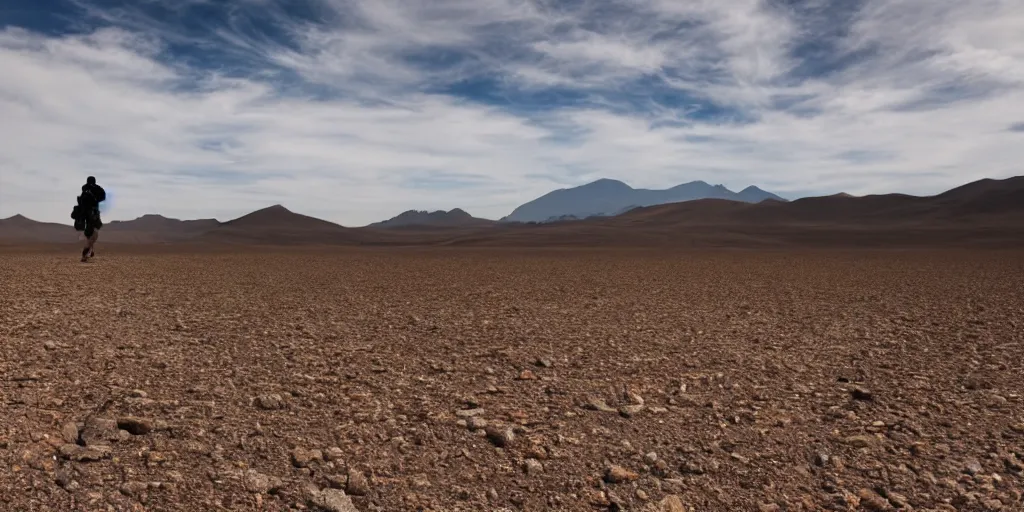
<point>90,234</point>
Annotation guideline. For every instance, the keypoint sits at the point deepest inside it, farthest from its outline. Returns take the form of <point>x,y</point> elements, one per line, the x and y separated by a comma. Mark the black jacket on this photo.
<point>91,193</point>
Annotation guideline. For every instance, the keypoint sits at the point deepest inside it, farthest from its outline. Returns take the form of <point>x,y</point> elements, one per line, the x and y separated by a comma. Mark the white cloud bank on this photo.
<point>928,105</point>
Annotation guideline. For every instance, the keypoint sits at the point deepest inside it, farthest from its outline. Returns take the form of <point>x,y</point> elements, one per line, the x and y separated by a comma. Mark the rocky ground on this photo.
<point>489,380</point>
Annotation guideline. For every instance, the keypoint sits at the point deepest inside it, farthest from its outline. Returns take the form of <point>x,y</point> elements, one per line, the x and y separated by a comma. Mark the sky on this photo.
<point>356,110</point>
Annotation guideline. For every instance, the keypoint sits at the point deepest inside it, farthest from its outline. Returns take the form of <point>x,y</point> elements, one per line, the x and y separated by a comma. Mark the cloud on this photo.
<point>355,110</point>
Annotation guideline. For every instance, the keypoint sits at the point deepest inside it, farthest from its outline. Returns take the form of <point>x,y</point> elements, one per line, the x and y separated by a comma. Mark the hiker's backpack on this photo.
<point>79,213</point>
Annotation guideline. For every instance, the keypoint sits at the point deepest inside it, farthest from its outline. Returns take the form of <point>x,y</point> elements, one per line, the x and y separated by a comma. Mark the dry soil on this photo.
<point>511,380</point>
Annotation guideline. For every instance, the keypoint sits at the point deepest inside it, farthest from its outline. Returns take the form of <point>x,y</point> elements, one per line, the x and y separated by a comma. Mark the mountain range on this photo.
<point>605,197</point>
<point>986,212</point>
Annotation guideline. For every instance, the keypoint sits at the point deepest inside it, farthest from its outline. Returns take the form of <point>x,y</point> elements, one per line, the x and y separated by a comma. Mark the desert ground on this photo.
<point>180,378</point>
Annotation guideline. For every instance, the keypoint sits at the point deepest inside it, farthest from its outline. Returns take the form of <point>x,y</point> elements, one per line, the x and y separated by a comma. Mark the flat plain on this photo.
<point>159,378</point>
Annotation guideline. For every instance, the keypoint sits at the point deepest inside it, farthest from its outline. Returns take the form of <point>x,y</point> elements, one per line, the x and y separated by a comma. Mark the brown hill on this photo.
<point>155,229</point>
<point>456,218</point>
<point>278,225</point>
<point>20,229</point>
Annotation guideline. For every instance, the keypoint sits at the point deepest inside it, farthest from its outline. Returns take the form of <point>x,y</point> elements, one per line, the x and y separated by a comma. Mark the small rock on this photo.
<point>898,499</point>
<point>642,495</point>
<point>543,362</point>
<point>333,500</point>
<point>357,484</point>
<point>134,489</point>
<point>259,483</point>
<point>69,433</point>
<point>768,507</point>
<point>302,457</point>
<point>476,423</point>
<point>526,375</point>
<point>598,498</point>
<point>821,459</point>
<point>270,402</point>
<point>628,411</point>
<point>619,474</point>
<point>872,501</point>
<point>739,458</point>
<point>650,458</point>
<point>634,398</point>
<point>49,345</point>
<point>334,454</point>
<point>99,431</point>
<point>671,503</point>
<point>138,393</point>
<point>972,467</point>
<point>533,467</point>
<point>501,437</point>
<point>860,393</point>
<point>86,453</point>
<point>537,452</point>
<point>135,426</point>
<point>469,413</point>
<point>598,404</point>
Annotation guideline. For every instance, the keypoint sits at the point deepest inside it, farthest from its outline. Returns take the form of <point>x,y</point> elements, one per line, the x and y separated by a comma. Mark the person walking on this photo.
<point>89,212</point>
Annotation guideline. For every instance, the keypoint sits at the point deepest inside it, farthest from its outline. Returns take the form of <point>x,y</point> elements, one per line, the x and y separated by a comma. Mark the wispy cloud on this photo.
<point>355,110</point>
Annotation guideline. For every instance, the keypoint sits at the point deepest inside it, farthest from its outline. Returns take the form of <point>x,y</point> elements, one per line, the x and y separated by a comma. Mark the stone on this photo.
<point>1013,463</point>
<point>270,402</point>
<point>768,507</point>
<point>671,503</point>
<point>334,454</point>
<point>135,426</point>
<point>333,500</point>
<point>972,467</point>
<point>739,458</point>
<point>357,484</point>
<point>533,467</point>
<point>259,483</point>
<point>302,457</point>
<point>861,393</point>
<point>134,489</point>
<point>69,433</point>
<point>469,413</point>
<point>84,453</point>
<point>476,423</point>
<point>537,451</point>
<point>598,404</point>
<point>543,362</point>
<point>898,499</point>
<point>619,474</point>
<point>628,411</point>
<point>650,458</point>
<point>642,495</point>
<point>870,500</point>
<point>500,437</point>
<point>99,431</point>
<point>526,375</point>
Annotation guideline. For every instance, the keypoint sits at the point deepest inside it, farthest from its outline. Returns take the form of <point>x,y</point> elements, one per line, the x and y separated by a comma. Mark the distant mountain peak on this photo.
<point>606,183</point>
<point>439,218</point>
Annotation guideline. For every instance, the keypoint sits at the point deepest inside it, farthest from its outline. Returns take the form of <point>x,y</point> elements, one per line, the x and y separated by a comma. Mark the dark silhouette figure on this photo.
<point>87,215</point>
